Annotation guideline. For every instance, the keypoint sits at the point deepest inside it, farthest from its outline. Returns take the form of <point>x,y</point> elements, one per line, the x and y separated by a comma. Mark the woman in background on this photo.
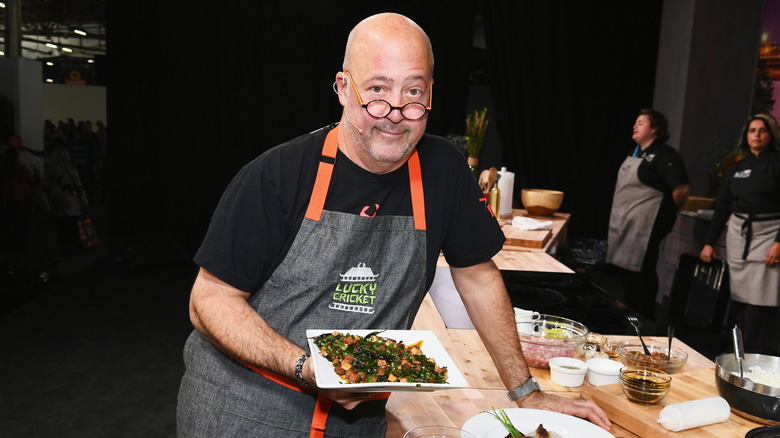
<point>652,185</point>
<point>750,201</point>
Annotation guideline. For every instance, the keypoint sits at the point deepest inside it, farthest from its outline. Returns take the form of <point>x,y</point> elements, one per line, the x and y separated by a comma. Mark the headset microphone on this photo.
<point>353,123</point>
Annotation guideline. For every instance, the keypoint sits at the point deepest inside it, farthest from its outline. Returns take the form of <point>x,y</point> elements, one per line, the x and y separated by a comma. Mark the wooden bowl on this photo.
<point>540,202</point>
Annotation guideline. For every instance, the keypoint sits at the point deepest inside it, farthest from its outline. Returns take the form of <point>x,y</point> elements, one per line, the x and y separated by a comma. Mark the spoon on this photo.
<point>670,332</point>
<point>738,349</point>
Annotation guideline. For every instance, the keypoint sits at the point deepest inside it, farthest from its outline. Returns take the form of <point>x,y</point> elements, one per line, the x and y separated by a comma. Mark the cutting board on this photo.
<point>515,237</point>
<point>642,419</point>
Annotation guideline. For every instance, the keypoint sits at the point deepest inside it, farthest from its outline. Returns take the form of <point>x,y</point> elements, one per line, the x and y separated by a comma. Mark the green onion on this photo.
<point>504,419</point>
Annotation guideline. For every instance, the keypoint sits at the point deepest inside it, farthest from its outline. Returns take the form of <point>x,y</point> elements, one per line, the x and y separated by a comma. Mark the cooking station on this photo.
<point>536,281</point>
<point>534,267</point>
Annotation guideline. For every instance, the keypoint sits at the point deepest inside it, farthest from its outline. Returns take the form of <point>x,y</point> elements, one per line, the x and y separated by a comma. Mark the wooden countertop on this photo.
<point>531,259</point>
<point>406,410</point>
<point>522,261</point>
<point>559,230</point>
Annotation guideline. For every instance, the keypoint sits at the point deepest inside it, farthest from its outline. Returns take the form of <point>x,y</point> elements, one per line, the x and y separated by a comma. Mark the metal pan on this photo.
<point>749,399</point>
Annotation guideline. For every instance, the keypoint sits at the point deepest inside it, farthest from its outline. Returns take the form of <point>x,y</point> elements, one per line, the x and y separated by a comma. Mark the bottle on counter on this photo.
<point>506,186</point>
<point>695,413</point>
<point>495,200</point>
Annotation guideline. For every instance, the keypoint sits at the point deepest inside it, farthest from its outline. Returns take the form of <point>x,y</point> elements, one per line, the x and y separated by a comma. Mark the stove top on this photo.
<point>572,296</point>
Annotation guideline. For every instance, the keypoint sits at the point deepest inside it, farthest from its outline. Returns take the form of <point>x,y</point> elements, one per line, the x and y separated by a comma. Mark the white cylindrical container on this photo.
<point>695,413</point>
<point>603,371</point>
<point>567,371</point>
<point>506,184</point>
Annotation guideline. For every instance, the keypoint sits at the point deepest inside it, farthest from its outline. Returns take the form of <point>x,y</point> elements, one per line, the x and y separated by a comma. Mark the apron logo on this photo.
<point>743,174</point>
<point>356,291</point>
<point>365,210</point>
<point>649,158</point>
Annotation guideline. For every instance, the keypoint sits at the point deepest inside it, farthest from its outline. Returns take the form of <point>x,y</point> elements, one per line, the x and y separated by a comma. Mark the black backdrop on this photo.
<point>195,91</point>
<point>569,78</point>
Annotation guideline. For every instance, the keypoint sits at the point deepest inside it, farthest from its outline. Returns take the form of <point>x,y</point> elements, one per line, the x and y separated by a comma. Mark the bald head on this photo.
<point>384,32</point>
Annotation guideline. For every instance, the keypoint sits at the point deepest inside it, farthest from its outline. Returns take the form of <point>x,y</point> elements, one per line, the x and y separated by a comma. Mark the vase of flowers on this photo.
<point>476,125</point>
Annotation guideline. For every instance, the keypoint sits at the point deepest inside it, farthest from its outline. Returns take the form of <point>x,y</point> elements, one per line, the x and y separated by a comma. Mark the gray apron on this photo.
<point>634,208</point>
<point>343,271</point>
<point>751,280</point>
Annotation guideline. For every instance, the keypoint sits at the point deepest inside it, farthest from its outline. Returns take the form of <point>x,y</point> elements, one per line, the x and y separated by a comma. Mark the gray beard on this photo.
<point>372,146</point>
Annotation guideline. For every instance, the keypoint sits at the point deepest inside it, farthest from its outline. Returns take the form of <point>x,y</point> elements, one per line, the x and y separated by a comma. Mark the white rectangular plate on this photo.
<point>431,347</point>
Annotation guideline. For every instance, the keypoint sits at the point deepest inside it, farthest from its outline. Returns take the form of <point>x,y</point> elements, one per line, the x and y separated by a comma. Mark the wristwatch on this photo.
<point>523,390</point>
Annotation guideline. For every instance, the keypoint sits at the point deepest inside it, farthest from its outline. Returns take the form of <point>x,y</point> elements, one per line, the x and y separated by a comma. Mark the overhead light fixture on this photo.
<point>1,52</point>
<point>49,63</point>
<point>90,61</point>
<point>50,45</point>
<point>2,5</point>
<point>80,32</point>
<point>67,49</point>
<point>49,80</point>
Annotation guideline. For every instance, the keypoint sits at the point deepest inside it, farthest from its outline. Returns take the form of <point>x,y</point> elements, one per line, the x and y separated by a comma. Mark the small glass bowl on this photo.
<point>552,336</point>
<point>593,347</point>
<point>645,386</point>
<point>632,354</point>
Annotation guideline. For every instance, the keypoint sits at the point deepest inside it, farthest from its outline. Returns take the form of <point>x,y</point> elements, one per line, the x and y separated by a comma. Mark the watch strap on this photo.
<point>523,390</point>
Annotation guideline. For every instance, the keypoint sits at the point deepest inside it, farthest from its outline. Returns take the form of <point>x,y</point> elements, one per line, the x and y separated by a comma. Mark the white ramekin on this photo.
<point>567,371</point>
<point>603,371</point>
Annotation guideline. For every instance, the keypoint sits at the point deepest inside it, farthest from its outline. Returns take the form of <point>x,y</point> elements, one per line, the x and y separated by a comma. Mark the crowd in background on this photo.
<point>73,155</point>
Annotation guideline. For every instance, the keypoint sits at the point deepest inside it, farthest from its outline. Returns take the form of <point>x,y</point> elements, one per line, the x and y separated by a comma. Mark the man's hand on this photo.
<point>707,253</point>
<point>578,407</point>
<point>773,255</point>
<point>349,400</point>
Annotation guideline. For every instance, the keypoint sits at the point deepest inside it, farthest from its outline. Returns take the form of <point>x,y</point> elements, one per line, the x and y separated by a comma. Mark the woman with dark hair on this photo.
<point>750,201</point>
<point>652,185</point>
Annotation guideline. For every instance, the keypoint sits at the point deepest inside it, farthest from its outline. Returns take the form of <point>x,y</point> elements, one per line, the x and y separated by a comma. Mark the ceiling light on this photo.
<point>80,32</point>
<point>1,52</point>
<point>90,61</point>
<point>2,5</point>
<point>49,80</point>
<point>67,49</point>
<point>53,46</point>
<point>49,63</point>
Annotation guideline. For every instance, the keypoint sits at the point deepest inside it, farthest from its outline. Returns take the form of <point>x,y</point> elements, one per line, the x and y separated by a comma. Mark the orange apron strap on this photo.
<point>418,198</point>
<point>324,172</point>
<point>320,417</point>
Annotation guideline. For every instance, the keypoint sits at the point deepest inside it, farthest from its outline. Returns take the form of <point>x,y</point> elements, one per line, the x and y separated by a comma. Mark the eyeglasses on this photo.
<point>381,108</point>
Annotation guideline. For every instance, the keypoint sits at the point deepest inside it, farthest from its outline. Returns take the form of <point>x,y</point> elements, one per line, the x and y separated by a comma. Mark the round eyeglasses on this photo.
<point>380,108</point>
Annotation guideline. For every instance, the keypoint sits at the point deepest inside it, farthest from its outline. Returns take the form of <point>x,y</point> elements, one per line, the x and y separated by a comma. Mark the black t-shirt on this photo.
<point>262,208</point>
<point>751,187</point>
<point>662,168</point>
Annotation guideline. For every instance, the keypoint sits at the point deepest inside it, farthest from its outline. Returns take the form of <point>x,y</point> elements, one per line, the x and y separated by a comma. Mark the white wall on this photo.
<point>20,80</point>
<point>80,103</point>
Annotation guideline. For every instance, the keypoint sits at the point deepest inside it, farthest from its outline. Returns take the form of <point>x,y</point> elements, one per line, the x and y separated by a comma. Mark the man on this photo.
<point>373,193</point>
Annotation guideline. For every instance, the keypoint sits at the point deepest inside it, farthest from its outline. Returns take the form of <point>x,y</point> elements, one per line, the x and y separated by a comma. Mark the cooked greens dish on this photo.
<point>374,359</point>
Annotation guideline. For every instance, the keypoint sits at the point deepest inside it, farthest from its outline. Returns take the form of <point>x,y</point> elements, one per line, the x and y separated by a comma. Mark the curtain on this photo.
<point>568,79</point>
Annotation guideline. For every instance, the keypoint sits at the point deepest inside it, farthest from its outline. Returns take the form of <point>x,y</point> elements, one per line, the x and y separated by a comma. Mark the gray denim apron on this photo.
<point>343,271</point>
<point>751,280</point>
<point>634,208</point>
